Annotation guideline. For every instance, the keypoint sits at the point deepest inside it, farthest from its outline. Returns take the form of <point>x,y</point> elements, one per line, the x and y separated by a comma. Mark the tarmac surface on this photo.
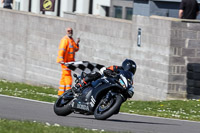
<point>25,109</point>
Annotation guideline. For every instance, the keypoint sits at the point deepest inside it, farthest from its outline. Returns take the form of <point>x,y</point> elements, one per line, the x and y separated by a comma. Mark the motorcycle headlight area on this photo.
<point>123,81</point>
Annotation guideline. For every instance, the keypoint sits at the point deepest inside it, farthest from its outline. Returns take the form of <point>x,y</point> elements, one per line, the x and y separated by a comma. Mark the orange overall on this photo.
<point>66,53</point>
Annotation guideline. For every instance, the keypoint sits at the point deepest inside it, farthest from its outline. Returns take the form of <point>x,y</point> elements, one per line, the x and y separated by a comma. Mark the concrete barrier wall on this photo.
<point>29,45</point>
<point>152,57</point>
<point>184,49</point>
<point>103,41</point>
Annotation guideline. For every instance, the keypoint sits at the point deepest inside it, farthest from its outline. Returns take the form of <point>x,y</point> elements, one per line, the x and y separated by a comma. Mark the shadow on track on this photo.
<point>126,121</point>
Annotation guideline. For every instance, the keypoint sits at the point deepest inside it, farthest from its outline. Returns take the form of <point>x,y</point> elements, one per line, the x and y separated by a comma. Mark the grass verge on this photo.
<point>13,126</point>
<point>177,109</point>
<point>44,93</point>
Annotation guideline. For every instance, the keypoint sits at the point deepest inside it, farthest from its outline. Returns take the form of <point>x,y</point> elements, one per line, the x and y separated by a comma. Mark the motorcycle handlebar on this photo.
<point>75,75</point>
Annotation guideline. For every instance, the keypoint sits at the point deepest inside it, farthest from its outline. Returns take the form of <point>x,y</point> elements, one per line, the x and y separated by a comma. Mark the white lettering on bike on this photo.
<point>83,107</point>
<point>93,101</point>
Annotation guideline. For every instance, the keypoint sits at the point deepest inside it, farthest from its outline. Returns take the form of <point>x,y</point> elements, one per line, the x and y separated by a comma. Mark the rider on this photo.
<point>127,65</point>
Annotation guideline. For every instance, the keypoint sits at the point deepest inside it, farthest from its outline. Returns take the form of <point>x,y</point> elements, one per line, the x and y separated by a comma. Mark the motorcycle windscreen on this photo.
<point>84,66</point>
<point>129,77</point>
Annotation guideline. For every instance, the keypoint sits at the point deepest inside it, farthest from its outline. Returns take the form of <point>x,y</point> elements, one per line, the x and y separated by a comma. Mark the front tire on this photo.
<point>62,106</point>
<point>106,110</point>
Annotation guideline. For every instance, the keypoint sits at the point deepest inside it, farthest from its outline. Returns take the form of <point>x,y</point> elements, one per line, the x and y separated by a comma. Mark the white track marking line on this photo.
<point>25,99</point>
<point>159,117</point>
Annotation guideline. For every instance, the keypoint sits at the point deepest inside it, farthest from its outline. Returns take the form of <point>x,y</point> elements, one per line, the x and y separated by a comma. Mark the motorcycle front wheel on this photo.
<point>106,109</point>
<point>62,106</point>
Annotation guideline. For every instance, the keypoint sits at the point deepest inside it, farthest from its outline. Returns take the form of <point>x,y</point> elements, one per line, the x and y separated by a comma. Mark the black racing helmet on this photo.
<point>129,65</point>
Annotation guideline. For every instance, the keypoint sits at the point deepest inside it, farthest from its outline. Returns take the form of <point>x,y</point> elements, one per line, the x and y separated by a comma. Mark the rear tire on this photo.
<point>62,106</point>
<point>104,111</point>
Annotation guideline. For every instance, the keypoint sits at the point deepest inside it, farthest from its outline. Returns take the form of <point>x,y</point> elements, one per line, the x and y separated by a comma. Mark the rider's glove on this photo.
<point>92,76</point>
<point>102,70</point>
<point>110,73</point>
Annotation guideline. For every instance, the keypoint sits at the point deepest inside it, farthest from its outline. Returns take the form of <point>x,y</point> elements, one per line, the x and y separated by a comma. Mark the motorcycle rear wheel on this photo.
<point>106,110</point>
<point>62,106</point>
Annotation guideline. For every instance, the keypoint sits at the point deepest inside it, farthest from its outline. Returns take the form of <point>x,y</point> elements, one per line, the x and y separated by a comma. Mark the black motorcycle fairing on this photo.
<point>82,101</point>
<point>101,86</point>
<point>91,95</point>
<point>104,88</point>
<point>101,90</point>
<point>86,93</point>
<point>80,105</point>
<point>87,100</point>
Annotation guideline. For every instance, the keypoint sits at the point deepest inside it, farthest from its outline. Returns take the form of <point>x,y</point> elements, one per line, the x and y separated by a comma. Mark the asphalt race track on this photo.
<point>24,109</point>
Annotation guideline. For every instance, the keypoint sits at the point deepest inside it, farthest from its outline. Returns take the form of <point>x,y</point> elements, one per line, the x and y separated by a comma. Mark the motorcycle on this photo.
<point>102,97</point>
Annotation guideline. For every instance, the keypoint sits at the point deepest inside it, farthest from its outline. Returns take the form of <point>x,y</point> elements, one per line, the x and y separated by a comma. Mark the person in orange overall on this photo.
<point>66,53</point>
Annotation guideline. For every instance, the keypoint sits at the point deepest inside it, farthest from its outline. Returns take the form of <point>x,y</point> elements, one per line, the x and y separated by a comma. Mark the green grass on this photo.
<point>178,109</point>
<point>13,126</point>
<point>44,93</point>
